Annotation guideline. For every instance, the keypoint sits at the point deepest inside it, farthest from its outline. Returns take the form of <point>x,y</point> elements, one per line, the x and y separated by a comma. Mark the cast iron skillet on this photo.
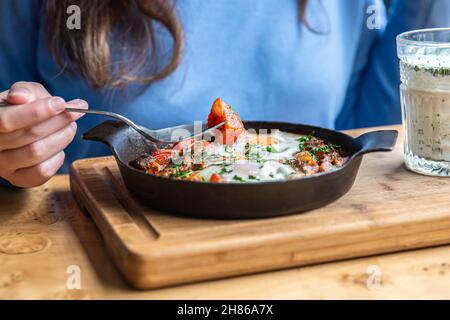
<point>240,200</point>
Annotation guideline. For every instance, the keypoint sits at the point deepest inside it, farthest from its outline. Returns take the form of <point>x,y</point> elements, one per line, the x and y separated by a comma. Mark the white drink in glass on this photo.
<point>425,97</point>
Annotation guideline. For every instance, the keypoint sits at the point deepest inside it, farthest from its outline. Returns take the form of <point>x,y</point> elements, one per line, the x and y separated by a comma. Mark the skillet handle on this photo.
<point>105,132</point>
<point>376,141</point>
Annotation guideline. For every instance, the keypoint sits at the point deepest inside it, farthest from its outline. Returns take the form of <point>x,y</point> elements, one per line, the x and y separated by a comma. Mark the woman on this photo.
<point>329,63</point>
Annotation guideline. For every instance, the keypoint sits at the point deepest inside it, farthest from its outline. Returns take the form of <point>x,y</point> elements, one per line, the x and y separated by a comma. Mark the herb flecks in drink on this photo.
<point>434,71</point>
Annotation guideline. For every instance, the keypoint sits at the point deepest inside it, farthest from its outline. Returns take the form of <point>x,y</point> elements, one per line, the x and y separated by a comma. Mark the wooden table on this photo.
<point>43,233</point>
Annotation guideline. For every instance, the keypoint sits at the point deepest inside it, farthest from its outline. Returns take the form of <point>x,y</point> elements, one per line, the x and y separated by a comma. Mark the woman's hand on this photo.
<point>34,131</point>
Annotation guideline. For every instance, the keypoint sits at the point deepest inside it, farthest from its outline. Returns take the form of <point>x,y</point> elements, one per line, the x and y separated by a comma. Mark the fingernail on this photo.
<point>57,104</point>
<point>78,103</point>
<point>19,91</point>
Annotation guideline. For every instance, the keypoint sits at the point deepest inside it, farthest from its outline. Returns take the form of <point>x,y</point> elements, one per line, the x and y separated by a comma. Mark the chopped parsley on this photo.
<point>237,178</point>
<point>177,165</point>
<point>258,158</point>
<point>328,148</point>
<point>252,152</point>
<point>252,178</point>
<point>182,174</point>
<point>302,142</point>
<point>225,170</point>
<point>306,145</point>
<point>248,149</point>
<point>228,149</point>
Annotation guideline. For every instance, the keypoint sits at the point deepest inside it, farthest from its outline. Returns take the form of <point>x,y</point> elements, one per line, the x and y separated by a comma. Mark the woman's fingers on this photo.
<point>26,92</point>
<point>34,131</point>
<point>3,96</point>
<point>39,174</point>
<point>36,152</point>
<point>26,136</point>
<point>78,104</point>
<point>13,118</point>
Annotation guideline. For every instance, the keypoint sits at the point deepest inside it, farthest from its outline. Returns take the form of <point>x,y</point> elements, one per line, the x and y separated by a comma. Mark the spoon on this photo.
<point>158,136</point>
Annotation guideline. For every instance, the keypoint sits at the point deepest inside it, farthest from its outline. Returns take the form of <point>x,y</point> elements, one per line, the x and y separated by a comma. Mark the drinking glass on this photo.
<point>425,98</point>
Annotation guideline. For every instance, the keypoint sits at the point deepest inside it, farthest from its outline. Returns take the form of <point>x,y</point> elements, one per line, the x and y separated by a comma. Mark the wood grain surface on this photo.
<point>43,233</point>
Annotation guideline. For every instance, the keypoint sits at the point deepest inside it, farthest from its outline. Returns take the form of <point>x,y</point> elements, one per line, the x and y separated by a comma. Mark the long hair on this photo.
<point>118,42</point>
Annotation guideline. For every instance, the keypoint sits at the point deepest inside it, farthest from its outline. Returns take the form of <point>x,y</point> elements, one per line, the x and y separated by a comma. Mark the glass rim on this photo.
<point>402,38</point>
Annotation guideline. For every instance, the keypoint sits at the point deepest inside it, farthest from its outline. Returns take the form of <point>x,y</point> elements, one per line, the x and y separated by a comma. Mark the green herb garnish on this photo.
<point>304,145</point>
<point>182,174</point>
<point>302,142</point>
<point>328,148</point>
<point>225,170</point>
<point>248,149</point>
<point>237,178</point>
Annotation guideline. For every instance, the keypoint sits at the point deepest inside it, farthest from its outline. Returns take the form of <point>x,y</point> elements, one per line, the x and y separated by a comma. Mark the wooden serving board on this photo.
<point>388,209</point>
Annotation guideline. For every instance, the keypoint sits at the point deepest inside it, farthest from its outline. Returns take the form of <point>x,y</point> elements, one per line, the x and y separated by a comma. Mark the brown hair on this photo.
<point>132,24</point>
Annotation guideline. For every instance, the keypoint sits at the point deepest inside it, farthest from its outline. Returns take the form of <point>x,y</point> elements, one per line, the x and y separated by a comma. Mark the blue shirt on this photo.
<point>254,54</point>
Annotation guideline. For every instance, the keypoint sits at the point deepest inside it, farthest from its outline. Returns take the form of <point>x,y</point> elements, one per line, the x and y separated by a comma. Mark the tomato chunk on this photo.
<point>215,178</point>
<point>234,127</point>
<point>163,152</point>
